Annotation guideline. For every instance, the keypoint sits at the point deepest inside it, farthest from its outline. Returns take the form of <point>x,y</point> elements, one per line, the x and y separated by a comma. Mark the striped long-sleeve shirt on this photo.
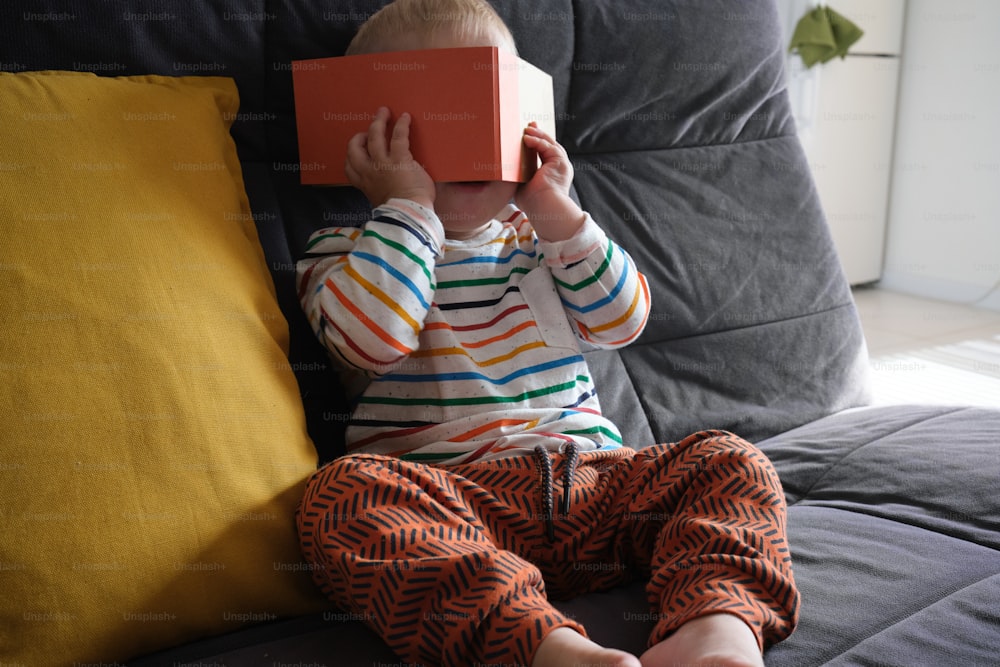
<point>472,348</point>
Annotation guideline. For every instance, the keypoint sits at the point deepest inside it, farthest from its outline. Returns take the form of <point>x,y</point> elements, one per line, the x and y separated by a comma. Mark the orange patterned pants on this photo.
<point>453,565</point>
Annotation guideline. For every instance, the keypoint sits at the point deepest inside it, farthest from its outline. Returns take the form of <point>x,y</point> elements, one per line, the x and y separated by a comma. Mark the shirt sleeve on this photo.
<point>366,290</point>
<point>599,285</point>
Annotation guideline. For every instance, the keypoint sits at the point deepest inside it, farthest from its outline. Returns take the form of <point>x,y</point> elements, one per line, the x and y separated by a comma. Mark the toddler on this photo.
<point>481,476</point>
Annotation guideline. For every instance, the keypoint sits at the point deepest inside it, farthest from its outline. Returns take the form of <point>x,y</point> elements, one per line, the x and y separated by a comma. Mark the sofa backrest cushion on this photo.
<point>678,124</point>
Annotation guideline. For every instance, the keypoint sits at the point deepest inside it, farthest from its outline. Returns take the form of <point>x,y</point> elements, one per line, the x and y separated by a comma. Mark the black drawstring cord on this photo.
<point>544,463</point>
<point>572,453</point>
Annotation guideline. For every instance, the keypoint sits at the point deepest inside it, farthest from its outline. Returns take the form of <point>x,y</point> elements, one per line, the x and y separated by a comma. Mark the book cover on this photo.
<point>469,108</point>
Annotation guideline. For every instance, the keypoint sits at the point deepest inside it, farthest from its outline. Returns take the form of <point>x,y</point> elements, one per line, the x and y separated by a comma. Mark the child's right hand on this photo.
<point>383,172</point>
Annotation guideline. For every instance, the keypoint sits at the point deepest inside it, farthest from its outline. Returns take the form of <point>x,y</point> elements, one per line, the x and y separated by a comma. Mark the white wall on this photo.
<point>943,238</point>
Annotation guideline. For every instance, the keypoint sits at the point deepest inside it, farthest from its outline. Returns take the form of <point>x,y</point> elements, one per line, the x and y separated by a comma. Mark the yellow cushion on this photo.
<point>152,440</point>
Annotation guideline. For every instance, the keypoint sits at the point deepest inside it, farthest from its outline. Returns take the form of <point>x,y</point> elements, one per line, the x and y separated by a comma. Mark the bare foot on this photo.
<point>716,640</point>
<point>565,647</point>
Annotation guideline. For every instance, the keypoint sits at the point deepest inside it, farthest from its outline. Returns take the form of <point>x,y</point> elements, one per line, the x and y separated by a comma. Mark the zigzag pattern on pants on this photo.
<point>452,566</point>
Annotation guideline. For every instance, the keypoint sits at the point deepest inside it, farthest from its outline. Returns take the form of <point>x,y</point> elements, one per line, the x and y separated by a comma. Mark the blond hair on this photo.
<point>463,18</point>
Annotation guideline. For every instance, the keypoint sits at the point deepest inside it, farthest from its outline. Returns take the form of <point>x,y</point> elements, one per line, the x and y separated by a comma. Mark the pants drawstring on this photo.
<point>572,454</point>
<point>543,460</point>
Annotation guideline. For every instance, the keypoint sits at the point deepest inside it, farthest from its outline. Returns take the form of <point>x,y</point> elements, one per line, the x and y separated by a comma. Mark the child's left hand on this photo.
<point>545,198</point>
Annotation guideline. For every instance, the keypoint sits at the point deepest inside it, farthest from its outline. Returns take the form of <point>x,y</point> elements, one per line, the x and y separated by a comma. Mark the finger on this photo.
<point>532,129</point>
<point>376,135</point>
<point>535,132</point>
<point>353,177</point>
<point>547,149</point>
<point>357,149</point>
<point>399,146</point>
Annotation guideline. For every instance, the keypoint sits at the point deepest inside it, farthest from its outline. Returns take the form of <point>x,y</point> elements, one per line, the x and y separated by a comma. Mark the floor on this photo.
<point>925,351</point>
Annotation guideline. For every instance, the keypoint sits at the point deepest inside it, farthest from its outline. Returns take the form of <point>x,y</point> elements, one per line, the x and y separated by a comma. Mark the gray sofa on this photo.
<point>676,117</point>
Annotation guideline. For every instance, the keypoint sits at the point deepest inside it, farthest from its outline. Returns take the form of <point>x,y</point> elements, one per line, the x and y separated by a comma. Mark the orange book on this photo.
<point>469,107</point>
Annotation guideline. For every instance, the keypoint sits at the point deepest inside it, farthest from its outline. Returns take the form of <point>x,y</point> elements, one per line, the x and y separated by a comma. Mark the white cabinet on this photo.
<point>846,111</point>
<point>850,152</point>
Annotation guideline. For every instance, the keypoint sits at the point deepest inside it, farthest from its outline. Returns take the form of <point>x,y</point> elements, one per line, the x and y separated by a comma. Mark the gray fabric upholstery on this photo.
<point>894,523</point>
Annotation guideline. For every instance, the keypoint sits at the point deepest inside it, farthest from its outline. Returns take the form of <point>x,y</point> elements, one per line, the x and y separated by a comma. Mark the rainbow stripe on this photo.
<point>471,349</point>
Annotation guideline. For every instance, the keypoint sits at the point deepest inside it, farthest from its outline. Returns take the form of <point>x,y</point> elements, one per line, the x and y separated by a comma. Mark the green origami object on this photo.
<point>823,34</point>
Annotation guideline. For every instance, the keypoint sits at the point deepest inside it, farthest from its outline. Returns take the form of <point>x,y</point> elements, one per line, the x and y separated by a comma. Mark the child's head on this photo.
<point>403,25</point>
<point>422,24</point>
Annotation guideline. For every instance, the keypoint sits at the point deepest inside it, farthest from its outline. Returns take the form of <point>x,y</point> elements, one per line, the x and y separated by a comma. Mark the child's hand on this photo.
<point>545,198</point>
<point>383,172</point>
